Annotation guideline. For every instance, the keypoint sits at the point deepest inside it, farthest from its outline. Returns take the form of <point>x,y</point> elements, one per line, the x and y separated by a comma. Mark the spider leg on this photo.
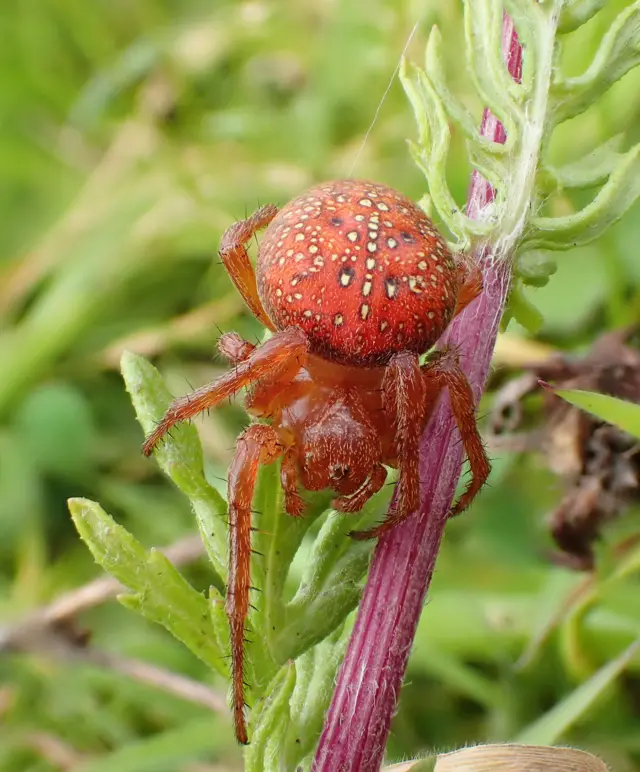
<point>282,354</point>
<point>256,445</point>
<point>404,396</point>
<point>293,503</point>
<point>357,500</point>
<point>234,348</point>
<point>470,278</point>
<point>444,371</point>
<point>234,255</point>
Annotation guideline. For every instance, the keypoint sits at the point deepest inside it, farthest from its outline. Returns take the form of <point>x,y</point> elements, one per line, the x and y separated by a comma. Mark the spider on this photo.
<point>354,282</point>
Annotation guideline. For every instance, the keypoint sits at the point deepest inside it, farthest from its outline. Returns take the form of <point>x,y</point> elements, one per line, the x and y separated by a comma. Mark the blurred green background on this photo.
<point>131,136</point>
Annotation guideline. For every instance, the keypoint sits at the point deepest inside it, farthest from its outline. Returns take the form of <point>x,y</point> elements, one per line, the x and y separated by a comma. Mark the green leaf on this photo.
<point>592,169</point>
<point>316,671</point>
<point>459,114</point>
<point>431,152</point>
<point>523,311</point>
<point>496,88</point>
<point>330,545</point>
<point>575,13</point>
<point>279,538</point>
<point>618,53</point>
<point>553,725</point>
<point>535,268</point>
<point>179,456</point>
<point>318,620</point>
<point>330,585</point>
<point>624,415</point>
<point>270,722</point>
<point>159,592</point>
<point>613,200</point>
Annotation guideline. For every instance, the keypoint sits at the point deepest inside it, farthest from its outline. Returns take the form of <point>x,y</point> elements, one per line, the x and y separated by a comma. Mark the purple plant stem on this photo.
<point>371,676</point>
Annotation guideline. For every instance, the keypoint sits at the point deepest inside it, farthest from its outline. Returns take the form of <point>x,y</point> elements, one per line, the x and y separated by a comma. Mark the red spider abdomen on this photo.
<point>360,269</point>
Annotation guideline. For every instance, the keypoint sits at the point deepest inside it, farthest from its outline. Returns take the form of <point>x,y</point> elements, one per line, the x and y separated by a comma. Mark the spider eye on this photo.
<point>339,472</point>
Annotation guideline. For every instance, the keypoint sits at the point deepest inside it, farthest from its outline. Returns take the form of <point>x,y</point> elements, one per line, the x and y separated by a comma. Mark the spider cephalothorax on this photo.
<point>355,282</point>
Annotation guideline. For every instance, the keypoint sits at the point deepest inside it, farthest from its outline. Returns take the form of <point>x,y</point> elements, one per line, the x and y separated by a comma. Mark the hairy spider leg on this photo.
<point>460,394</point>
<point>234,255</point>
<point>234,348</point>
<point>281,355</point>
<point>444,371</point>
<point>405,397</point>
<point>257,445</point>
<point>440,372</point>
<point>293,503</point>
<point>357,500</point>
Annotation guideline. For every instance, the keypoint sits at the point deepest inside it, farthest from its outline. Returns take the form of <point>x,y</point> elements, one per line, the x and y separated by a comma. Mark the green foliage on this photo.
<point>132,134</point>
<point>550,728</point>
<point>158,592</point>
<point>271,723</point>
<point>181,459</point>
<point>530,110</point>
<point>625,415</point>
<point>281,630</point>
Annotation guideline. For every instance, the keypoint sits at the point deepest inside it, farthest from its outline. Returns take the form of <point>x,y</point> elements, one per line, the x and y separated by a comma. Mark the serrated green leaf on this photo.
<point>624,415</point>
<point>410,80</point>
<point>159,591</point>
<point>219,620</point>
<point>536,27</point>
<point>179,456</point>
